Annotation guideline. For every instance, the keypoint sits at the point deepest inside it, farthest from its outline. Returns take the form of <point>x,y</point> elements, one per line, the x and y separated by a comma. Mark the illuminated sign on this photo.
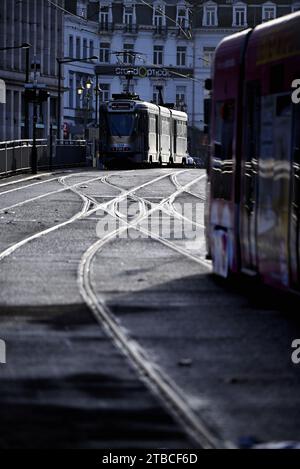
<point>144,71</point>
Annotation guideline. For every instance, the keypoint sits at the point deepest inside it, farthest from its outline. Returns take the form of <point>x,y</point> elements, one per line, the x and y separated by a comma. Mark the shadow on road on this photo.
<point>66,386</point>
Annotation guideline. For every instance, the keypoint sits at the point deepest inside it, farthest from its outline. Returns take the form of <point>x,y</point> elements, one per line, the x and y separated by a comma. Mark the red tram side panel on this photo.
<point>254,226</point>
<point>226,148</point>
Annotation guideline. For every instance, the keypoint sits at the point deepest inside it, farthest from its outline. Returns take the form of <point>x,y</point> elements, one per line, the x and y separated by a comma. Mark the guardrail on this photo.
<point>15,155</point>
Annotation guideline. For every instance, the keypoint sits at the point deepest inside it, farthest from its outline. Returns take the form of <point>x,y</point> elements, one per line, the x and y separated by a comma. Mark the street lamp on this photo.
<point>62,61</point>
<point>25,45</point>
<point>88,87</point>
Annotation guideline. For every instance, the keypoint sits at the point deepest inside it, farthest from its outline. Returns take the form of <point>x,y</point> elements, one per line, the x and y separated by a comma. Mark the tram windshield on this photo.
<point>120,124</point>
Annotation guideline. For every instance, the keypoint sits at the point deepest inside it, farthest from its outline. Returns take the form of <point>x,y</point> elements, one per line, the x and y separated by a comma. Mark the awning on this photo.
<point>2,92</point>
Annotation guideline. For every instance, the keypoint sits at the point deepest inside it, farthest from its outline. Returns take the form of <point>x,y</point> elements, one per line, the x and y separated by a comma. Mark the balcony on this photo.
<point>130,29</point>
<point>106,28</point>
<point>161,30</point>
<point>184,31</point>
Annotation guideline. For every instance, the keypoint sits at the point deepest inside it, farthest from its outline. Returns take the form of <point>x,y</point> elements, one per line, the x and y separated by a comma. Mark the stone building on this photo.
<point>39,23</point>
<point>166,43</point>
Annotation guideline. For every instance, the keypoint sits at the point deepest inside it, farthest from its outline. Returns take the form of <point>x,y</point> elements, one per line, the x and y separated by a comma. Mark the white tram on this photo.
<point>138,132</point>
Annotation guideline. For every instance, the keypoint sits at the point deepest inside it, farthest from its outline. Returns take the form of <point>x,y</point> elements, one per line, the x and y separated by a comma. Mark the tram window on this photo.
<point>152,125</point>
<point>283,105</point>
<point>225,112</point>
<point>175,136</point>
<point>276,78</point>
<point>121,124</point>
<point>165,126</point>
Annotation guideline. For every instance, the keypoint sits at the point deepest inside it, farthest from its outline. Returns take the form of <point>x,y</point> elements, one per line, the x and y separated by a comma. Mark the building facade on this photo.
<point>40,24</point>
<point>167,43</point>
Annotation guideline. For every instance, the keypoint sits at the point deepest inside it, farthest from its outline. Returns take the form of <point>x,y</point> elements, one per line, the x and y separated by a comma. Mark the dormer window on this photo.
<point>159,18</point>
<point>269,11</point>
<point>239,15</point>
<point>182,16</point>
<point>82,10</point>
<point>104,16</point>
<point>129,16</point>
<point>210,14</point>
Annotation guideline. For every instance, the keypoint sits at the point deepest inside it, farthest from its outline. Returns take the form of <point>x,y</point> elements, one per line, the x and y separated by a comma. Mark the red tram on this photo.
<point>253,223</point>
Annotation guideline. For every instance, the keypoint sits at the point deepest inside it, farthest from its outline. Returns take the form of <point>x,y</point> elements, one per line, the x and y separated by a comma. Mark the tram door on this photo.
<point>295,208</point>
<point>250,178</point>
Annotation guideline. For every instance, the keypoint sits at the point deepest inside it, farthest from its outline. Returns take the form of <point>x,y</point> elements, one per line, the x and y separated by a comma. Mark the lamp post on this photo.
<point>97,93</point>
<point>88,95</point>
<point>61,62</point>
<point>25,45</point>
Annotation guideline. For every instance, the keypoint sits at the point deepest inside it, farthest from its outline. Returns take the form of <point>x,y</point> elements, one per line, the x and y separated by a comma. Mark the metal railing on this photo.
<point>15,155</point>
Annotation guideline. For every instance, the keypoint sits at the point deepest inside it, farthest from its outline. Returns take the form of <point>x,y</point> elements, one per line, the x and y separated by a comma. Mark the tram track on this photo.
<point>47,194</point>
<point>84,212</point>
<point>168,208</point>
<point>156,379</point>
<point>160,383</point>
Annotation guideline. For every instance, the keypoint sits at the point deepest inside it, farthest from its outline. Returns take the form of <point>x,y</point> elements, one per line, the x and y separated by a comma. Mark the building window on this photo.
<point>159,16</point>
<point>71,46</point>
<point>78,48</point>
<point>181,98</point>
<point>104,52</point>
<point>296,6</point>
<point>210,15</point>
<point>182,17</point>
<point>71,90</point>
<point>104,18</point>
<point>208,56</point>
<point>91,48</point>
<point>239,15</point>
<point>78,85</point>
<point>181,56</point>
<point>82,11</point>
<point>105,92</point>
<point>128,18</point>
<point>128,54</point>
<point>85,48</point>
<point>158,52</point>
<point>268,12</point>
<point>156,98</point>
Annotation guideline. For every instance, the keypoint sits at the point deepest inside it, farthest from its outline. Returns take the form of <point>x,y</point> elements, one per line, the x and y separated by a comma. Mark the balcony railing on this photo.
<point>161,30</point>
<point>106,28</point>
<point>130,28</point>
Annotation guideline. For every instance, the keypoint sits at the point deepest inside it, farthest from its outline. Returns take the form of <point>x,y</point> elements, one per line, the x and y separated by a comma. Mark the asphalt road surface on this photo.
<point>117,334</point>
